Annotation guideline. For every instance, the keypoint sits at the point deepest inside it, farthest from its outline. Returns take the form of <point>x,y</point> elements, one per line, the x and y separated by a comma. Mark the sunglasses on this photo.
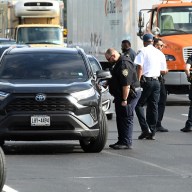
<point>108,59</point>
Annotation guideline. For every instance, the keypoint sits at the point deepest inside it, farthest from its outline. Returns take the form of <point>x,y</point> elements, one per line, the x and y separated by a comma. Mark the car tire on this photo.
<point>110,116</point>
<point>2,169</point>
<point>96,145</point>
<point>2,142</point>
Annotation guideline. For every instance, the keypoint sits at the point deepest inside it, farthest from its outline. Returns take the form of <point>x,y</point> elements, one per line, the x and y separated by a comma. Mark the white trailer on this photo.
<point>96,25</point>
<point>34,22</point>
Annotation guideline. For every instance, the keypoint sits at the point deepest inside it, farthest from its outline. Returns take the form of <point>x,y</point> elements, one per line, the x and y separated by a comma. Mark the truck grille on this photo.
<point>187,51</point>
<point>30,104</point>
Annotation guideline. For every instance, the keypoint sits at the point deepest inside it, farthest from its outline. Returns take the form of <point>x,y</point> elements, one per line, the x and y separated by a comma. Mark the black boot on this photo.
<point>144,135</point>
<point>186,129</point>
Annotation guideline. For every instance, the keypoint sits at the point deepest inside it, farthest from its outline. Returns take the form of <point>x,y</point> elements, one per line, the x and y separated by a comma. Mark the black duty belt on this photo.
<point>151,78</point>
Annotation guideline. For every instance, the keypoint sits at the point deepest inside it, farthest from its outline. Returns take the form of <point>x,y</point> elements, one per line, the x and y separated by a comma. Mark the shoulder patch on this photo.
<point>125,72</point>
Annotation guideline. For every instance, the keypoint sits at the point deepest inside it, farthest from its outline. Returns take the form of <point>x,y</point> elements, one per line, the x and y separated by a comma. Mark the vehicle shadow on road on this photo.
<point>33,148</point>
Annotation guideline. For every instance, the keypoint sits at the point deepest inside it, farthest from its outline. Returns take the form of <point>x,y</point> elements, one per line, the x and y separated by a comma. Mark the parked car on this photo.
<point>107,98</point>
<point>51,94</point>
<point>7,41</point>
<point>3,47</point>
<point>2,169</point>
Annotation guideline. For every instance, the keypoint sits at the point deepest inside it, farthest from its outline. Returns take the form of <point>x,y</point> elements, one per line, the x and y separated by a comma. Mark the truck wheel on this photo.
<point>96,145</point>
<point>2,169</point>
<point>110,116</point>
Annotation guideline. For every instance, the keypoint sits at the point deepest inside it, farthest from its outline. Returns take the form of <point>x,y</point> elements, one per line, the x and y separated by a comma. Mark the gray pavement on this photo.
<point>163,165</point>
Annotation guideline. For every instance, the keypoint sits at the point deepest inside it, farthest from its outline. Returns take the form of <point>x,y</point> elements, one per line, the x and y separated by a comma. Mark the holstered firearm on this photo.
<point>190,77</point>
<point>142,80</point>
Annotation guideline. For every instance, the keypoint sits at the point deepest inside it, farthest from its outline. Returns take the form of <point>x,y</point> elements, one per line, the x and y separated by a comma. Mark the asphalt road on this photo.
<point>163,165</point>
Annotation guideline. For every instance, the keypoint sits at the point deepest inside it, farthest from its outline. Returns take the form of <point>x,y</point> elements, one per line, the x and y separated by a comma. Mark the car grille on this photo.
<point>30,104</point>
<point>187,51</point>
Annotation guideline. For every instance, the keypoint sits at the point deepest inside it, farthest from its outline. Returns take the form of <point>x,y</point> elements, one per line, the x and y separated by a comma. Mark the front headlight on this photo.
<point>170,58</point>
<point>84,94</point>
<point>3,95</point>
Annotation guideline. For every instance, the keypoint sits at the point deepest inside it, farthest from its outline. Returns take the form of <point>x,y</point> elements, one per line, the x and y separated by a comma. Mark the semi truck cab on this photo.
<point>171,20</point>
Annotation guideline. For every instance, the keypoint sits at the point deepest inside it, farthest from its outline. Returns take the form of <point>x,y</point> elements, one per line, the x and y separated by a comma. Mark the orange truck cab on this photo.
<point>171,21</point>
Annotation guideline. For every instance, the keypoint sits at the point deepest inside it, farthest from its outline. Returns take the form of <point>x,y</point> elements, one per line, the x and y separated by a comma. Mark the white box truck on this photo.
<point>96,25</point>
<point>32,22</point>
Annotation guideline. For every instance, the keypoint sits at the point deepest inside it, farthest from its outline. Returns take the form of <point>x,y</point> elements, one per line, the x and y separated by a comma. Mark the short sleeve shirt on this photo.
<point>152,61</point>
<point>123,72</point>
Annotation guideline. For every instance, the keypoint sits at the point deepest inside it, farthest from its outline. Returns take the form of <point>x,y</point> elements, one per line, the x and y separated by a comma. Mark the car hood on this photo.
<point>49,86</point>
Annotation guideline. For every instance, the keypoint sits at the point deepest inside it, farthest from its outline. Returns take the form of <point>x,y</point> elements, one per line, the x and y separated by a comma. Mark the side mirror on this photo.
<point>140,25</point>
<point>102,74</point>
<point>141,20</point>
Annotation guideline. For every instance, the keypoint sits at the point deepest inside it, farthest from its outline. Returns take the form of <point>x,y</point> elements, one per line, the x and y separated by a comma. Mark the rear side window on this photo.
<point>95,65</point>
<point>44,66</point>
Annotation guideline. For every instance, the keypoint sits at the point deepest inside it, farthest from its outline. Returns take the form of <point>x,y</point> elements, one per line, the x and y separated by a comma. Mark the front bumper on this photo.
<point>62,126</point>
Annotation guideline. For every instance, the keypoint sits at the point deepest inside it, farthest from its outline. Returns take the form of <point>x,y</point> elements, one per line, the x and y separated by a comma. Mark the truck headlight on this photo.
<point>84,94</point>
<point>170,58</point>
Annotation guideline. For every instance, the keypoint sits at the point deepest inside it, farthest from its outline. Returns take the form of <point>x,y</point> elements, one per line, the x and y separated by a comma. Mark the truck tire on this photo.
<point>96,145</point>
<point>2,169</point>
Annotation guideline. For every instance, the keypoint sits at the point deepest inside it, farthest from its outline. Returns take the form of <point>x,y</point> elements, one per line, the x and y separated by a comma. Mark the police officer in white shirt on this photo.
<point>150,63</point>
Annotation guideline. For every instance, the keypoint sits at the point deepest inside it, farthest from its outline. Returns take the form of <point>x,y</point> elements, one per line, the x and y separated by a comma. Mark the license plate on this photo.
<point>42,120</point>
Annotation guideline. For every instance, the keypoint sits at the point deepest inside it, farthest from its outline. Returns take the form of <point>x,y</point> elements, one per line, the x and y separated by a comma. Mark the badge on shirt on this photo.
<point>125,72</point>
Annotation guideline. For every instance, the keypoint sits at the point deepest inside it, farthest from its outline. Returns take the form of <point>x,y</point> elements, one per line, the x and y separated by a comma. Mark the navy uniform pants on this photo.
<point>188,123</point>
<point>150,98</point>
<point>161,103</point>
<point>124,119</point>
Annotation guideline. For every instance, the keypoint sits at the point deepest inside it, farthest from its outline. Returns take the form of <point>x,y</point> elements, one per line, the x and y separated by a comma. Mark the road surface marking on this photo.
<point>8,189</point>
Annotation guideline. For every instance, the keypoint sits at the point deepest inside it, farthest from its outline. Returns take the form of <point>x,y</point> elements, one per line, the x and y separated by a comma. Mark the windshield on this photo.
<point>39,35</point>
<point>43,66</point>
<point>175,20</point>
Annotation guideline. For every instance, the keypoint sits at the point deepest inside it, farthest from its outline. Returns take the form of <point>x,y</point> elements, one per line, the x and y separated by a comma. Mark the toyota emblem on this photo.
<point>40,97</point>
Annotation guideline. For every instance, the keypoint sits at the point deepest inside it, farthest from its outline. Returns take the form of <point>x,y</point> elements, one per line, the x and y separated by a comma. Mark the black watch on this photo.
<point>124,99</point>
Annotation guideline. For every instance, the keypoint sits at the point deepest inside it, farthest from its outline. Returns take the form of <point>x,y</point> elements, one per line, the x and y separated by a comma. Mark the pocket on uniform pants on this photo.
<point>126,110</point>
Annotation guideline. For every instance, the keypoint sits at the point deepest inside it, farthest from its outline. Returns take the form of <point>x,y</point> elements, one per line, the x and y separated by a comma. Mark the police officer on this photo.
<point>125,88</point>
<point>158,43</point>
<point>150,63</point>
<point>127,50</point>
<point>188,124</point>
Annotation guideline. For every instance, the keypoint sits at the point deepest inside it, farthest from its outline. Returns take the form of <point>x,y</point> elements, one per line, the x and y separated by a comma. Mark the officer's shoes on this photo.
<point>120,146</point>
<point>151,137</point>
<point>186,129</point>
<point>112,145</point>
<point>161,129</point>
<point>144,135</point>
